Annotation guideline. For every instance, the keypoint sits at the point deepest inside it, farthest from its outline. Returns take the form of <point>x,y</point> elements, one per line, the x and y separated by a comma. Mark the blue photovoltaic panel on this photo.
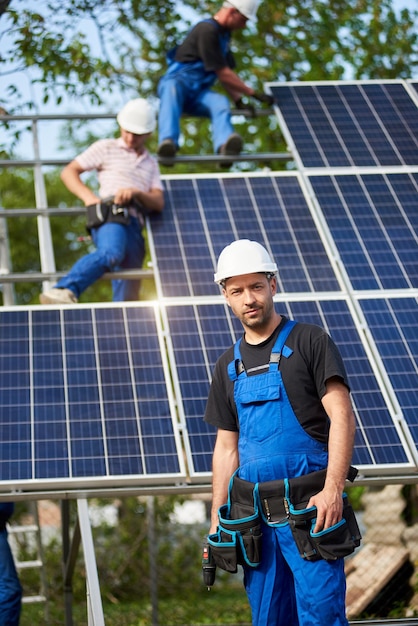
<point>203,215</point>
<point>202,332</point>
<point>350,124</point>
<point>377,439</point>
<point>373,220</point>
<point>393,323</point>
<point>84,396</point>
<point>195,357</point>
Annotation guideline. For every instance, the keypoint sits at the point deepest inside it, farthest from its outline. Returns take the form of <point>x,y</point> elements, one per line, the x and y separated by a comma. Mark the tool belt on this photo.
<point>238,538</point>
<point>106,211</point>
<point>276,503</point>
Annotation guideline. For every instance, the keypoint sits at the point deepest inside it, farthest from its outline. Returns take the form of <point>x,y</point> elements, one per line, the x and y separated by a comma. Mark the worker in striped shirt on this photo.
<point>129,187</point>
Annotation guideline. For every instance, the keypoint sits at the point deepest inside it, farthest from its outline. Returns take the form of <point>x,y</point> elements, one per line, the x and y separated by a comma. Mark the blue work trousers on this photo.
<point>178,95</point>
<point>10,588</point>
<point>286,590</point>
<point>118,247</point>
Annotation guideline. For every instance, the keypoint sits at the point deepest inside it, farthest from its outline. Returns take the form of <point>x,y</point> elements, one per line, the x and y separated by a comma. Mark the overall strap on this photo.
<point>279,347</point>
<point>236,367</point>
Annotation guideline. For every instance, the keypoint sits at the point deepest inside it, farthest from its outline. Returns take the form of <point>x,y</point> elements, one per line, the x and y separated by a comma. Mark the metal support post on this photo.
<point>5,264</point>
<point>94,601</point>
<point>70,550</point>
<point>152,560</point>
<point>46,250</point>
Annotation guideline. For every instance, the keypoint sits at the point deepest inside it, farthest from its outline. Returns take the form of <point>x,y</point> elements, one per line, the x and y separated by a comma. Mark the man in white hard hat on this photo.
<point>194,66</point>
<point>285,426</point>
<point>130,186</point>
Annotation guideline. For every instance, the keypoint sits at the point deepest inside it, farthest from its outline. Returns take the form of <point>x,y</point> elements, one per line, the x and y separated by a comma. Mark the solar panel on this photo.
<point>85,396</point>
<point>393,323</point>
<point>348,124</point>
<point>115,394</point>
<point>373,220</point>
<point>204,214</point>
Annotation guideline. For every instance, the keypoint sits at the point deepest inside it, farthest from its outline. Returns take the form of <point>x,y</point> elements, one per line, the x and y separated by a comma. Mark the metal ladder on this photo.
<point>32,533</point>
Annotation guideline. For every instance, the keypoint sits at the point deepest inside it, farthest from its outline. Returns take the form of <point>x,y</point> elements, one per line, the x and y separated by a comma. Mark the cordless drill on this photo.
<point>208,567</point>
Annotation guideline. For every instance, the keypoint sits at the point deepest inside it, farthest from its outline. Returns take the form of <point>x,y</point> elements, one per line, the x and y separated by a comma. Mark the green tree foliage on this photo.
<point>96,51</point>
<point>90,48</point>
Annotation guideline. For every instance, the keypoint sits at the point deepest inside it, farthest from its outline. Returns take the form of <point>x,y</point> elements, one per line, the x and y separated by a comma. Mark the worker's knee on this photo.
<point>110,257</point>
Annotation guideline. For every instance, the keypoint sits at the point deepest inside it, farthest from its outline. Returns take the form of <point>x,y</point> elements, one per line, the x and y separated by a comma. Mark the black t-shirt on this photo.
<point>315,359</point>
<point>203,44</point>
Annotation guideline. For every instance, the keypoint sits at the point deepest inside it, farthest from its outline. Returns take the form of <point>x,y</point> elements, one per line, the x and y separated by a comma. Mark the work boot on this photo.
<point>233,145</point>
<point>167,149</point>
<point>58,296</point>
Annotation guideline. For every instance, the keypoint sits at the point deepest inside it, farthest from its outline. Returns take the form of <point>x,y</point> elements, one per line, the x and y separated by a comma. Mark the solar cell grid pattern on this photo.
<point>209,333</point>
<point>393,323</point>
<point>373,220</point>
<point>203,215</point>
<point>83,395</point>
<point>346,125</point>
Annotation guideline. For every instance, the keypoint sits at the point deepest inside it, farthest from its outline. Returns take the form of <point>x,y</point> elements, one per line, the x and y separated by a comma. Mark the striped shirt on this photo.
<point>119,167</point>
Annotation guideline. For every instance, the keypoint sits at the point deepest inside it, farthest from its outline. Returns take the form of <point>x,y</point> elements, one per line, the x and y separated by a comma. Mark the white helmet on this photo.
<point>137,116</point>
<point>248,8</point>
<point>243,257</point>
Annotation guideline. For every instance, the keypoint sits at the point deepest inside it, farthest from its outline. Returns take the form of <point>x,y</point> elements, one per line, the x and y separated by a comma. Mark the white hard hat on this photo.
<point>137,116</point>
<point>248,8</point>
<point>243,257</point>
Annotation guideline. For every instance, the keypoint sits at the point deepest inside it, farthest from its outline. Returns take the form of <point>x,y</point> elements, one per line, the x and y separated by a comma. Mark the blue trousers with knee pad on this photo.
<point>286,590</point>
<point>10,588</point>
<point>118,247</point>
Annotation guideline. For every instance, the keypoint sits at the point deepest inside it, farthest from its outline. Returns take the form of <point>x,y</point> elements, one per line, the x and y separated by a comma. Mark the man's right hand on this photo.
<point>245,106</point>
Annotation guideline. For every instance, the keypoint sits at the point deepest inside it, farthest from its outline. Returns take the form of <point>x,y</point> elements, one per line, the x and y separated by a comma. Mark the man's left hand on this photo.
<point>329,505</point>
<point>264,98</point>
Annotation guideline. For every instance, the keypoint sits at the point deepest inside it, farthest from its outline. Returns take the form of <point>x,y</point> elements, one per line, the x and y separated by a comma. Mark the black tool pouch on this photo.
<point>330,544</point>
<point>238,539</point>
<point>300,522</point>
<point>341,539</point>
<point>105,211</point>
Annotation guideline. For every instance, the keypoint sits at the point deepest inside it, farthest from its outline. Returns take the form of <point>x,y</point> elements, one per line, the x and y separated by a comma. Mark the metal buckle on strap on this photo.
<point>119,210</point>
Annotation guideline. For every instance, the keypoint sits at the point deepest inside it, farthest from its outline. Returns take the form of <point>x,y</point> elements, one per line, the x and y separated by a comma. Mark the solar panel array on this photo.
<point>115,394</point>
<point>350,124</point>
<point>85,398</point>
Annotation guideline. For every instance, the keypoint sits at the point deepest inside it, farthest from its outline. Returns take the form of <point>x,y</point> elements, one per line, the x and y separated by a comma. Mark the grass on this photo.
<point>221,605</point>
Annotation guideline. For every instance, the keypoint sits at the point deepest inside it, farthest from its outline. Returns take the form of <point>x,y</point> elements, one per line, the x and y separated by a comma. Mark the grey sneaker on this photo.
<point>167,149</point>
<point>58,296</point>
<point>233,145</point>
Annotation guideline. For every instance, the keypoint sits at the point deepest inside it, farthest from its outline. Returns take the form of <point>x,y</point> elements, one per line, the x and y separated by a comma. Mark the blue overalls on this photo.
<point>185,88</point>
<point>10,588</point>
<point>285,589</point>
